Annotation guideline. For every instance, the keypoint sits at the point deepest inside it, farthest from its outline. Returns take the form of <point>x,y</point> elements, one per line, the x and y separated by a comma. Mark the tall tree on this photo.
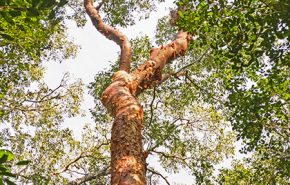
<point>128,159</point>
<point>120,97</point>
<point>219,72</point>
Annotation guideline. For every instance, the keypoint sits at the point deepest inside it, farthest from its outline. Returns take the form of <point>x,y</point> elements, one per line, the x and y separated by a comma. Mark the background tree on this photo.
<point>31,113</point>
<point>250,46</point>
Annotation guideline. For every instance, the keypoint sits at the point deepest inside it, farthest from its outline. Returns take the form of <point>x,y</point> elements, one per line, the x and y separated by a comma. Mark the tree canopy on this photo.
<point>250,45</point>
<point>230,89</point>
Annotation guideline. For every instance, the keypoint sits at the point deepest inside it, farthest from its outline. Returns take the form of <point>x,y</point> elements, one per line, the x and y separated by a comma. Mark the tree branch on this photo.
<point>151,105</point>
<point>82,155</point>
<point>110,33</point>
<point>150,71</point>
<point>203,90</point>
<point>12,8</point>
<point>182,71</point>
<point>100,5</point>
<point>66,167</point>
<point>159,174</point>
<point>89,177</point>
<point>195,61</point>
<point>168,75</point>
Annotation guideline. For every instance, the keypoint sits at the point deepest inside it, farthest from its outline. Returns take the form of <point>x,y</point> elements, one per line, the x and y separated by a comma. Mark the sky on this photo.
<point>95,55</point>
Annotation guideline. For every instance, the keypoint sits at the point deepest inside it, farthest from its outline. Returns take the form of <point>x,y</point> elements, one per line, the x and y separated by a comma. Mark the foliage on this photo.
<point>237,69</point>
<point>31,112</point>
<point>262,168</point>
<point>249,43</point>
<point>125,13</point>
<point>30,32</point>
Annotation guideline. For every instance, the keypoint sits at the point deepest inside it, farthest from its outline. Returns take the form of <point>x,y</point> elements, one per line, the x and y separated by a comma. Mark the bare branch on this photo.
<point>168,75</point>
<point>2,8</point>
<point>90,176</point>
<point>195,61</point>
<point>151,106</point>
<point>111,33</point>
<point>82,155</point>
<point>182,71</point>
<point>66,167</point>
<point>100,5</point>
<point>203,90</point>
<point>174,157</point>
<point>159,174</point>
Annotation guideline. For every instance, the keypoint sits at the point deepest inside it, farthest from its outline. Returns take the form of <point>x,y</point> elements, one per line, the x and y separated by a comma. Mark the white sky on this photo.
<point>95,53</point>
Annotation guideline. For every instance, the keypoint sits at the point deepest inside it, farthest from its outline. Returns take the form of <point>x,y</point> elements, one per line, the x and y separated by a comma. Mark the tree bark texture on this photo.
<point>120,99</point>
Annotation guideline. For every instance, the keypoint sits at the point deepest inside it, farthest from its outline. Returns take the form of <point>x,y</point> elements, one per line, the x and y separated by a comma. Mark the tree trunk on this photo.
<point>127,159</point>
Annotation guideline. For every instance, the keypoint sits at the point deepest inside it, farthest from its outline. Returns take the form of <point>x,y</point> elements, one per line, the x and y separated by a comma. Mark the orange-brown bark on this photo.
<point>120,98</point>
<point>110,33</point>
<point>151,70</point>
<point>127,160</point>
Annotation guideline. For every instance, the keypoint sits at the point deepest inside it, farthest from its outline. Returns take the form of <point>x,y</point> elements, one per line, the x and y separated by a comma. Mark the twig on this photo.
<point>100,5</point>
<point>82,155</point>
<point>190,64</point>
<point>182,71</point>
<point>159,174</point>
<point>202,89</point>
<point>151,105</point>
<point>66,167</point>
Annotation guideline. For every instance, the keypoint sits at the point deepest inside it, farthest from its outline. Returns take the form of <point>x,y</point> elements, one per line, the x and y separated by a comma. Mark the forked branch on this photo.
<point>151,70</point>
<point>110,33</point>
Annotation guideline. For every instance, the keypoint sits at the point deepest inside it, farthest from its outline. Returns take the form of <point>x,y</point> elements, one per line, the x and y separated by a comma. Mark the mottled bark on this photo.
<point>127,161</point>
<point>110,33</point>
<point>120,98</point>
<point>150,72</point>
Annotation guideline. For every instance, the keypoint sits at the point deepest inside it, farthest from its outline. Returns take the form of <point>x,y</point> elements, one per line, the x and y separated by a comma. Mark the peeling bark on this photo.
<point>120,99</point>
<point>150,71</point>
<point>127,160</point>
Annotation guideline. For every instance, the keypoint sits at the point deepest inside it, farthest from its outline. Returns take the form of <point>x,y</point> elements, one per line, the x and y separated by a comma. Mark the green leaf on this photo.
<point>62,3</point>
<point>8,174</point>
<point>14,13</point>
<point>3,168</point>
<point>24,162</point>
<point>7,17</point>
<point>5,155</point>
<point>33,12</point>
<point>180,14</point>
<point>6,36</point>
